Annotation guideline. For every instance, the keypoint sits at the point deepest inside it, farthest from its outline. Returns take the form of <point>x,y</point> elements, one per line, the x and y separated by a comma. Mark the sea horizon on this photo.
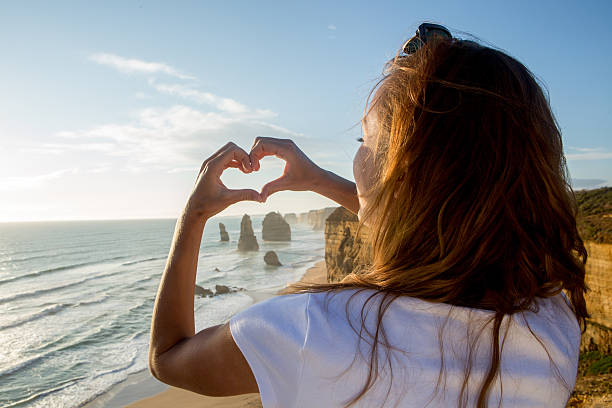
<point>130,219</point>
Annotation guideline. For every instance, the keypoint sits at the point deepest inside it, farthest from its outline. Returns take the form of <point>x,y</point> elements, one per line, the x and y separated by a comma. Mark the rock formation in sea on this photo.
<point>203,292</point>
<point>275,228</point>
<point>223,232</point>
<point>247,241</point>
<point>291,218</point>
<point>270,258</point>
<point>219,290</point>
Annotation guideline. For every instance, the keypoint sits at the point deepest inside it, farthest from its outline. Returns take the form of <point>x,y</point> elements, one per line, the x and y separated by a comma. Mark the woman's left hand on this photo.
<point>210,196</point>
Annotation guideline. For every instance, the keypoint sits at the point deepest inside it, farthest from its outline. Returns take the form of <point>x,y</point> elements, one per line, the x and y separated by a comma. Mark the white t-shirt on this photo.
<point>298,349</point>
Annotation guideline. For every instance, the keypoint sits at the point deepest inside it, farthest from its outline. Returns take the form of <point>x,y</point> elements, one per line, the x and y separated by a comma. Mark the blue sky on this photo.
<point>107,110</point>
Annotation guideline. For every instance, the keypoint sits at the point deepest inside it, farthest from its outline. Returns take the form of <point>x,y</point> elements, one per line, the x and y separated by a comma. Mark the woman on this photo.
<point>474,295</point>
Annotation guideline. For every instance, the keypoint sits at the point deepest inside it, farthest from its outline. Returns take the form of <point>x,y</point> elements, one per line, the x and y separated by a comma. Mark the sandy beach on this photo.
<point>177,397</point>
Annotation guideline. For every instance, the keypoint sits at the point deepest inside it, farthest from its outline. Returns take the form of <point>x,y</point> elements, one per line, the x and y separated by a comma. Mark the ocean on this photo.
<point>76,298</point>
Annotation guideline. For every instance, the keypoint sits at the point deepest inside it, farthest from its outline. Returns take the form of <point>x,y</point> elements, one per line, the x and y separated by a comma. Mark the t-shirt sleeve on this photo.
<point>271,336</point>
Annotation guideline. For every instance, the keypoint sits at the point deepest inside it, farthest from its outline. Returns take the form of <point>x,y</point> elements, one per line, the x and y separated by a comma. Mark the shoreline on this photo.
<point>142,390</point>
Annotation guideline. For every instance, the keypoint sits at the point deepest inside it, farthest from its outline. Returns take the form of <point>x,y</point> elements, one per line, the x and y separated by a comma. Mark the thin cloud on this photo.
<point>172,138</point>
<point>589,155</point>
<point>331,31</point>
<point>132,65</point>
<point>175,138</point>
<point>586,149</point>
<point>27,182</point>
<point>223,104</point>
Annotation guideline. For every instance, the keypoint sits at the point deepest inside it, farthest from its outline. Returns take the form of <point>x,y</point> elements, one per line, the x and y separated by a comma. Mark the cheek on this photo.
<point>358,165</point>
<point>363,165</point>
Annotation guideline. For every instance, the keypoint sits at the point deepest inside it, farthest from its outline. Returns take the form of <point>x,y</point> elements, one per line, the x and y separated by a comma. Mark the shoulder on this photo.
<point>280,320</point>
<point>554,321</point>
<point>291,306</point>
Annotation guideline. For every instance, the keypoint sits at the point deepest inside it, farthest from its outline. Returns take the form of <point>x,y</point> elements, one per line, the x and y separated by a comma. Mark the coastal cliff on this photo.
<point>314,218</point>
<point>291,218</point>
<point>344,251</point>
<point>598,335</point>
<point>595,227</point>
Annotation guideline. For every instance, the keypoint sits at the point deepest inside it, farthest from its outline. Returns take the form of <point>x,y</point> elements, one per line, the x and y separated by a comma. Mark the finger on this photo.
<point>215,155</point>
<point>236,164</point>
<point>246,194</point>
<point>274,186</point>
<point>269,146</point>
<point>233,163</point>
<point>231,153</point>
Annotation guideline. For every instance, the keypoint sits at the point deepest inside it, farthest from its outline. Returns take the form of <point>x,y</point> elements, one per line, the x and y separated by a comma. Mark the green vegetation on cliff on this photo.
<point>595,215</point>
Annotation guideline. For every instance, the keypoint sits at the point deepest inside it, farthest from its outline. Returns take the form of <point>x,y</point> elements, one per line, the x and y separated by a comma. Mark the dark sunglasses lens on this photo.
<point>418,40</point>
<point>412,45</point>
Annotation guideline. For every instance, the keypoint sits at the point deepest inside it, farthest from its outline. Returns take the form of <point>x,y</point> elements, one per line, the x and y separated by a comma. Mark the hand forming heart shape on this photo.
<point>210,196</point>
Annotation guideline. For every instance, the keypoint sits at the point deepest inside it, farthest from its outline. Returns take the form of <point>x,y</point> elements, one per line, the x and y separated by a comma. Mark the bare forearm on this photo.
<point>339,189</point>
<point>173,312</point>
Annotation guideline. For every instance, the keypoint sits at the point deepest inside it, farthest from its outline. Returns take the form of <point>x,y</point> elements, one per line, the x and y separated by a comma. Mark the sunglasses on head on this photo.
<point>425,32</point>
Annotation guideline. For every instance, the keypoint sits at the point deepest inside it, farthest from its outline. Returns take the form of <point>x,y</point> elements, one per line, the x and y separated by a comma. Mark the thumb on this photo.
<point>274,186</point>
<point>246,194</point>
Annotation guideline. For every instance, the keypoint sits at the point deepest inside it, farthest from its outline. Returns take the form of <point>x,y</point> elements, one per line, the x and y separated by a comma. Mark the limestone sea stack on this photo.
<point>223,232</point>
<point>270,258</point>
<point>247,241</point>
<point>275,228</point>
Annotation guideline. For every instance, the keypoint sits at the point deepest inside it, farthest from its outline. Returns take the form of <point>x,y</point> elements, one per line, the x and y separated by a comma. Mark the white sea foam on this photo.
<point>81,320</point>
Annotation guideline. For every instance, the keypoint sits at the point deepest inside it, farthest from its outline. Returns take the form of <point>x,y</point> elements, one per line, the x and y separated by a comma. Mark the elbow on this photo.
<point>155,366</point>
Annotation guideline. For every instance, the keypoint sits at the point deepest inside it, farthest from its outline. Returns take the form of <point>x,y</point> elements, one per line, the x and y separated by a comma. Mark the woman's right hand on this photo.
<point>300,173</point>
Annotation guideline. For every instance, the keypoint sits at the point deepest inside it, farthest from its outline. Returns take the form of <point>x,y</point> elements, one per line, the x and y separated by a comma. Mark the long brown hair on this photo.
<point>472,205</point>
